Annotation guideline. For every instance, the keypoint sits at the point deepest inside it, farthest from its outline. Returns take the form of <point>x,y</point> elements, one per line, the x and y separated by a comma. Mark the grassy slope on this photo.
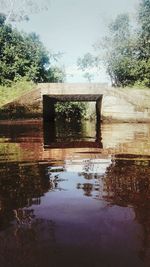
<point>9,94</point>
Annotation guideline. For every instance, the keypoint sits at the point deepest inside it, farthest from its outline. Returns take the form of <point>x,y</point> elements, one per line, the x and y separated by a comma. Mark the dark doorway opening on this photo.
<point>49,116</point>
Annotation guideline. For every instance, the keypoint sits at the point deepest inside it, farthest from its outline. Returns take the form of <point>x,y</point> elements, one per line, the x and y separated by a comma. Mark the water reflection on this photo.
<point>67,134</point>
<point>21,185</point>
<point>128,183</point>
<point>125,183</point>
<point>74,206</point>
<point>26,244</point>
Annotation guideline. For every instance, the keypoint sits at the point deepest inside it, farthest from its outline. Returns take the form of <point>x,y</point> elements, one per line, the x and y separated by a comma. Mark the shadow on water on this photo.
<point>83,210</point>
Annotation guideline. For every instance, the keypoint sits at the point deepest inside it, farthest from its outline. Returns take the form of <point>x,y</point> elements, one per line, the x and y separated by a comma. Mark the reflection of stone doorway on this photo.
<point>49,115</point>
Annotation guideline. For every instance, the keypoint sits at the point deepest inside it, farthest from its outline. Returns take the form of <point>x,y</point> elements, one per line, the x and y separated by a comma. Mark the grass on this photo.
<point>17,89</point>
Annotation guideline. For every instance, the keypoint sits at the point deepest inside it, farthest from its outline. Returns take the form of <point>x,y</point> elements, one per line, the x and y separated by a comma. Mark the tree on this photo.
<point>118,52</point>
<point>23,55</point>
<point>16,10</point>
<point>144,30</point>
<point>115,51</point>
<point>128,57</point>
<point>2,19</point>
<point>70,110</point>
<point>143,43</point>
<point>125,53</point>
<point>86,64</point>
<point>55,74</point>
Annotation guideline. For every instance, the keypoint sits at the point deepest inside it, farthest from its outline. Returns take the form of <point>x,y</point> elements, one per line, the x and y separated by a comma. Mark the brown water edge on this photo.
<point>28,136</point>
<point>75,206</point>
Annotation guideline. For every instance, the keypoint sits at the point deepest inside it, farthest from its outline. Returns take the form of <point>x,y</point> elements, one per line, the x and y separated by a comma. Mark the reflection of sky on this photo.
<point>77,171</point>
<point>73,26</point>
<point>87,165</point>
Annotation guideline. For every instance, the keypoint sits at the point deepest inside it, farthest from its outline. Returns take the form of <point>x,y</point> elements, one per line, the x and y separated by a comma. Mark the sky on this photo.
<point>73,26</point>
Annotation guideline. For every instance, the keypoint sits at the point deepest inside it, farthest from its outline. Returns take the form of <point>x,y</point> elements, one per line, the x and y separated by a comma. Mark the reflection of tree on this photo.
<point>28,241</point>
<point>24,216</point>
<point>29,244</point>
<point>87,188</point>
<point>88,167</point>
<point>127,182</point>
<point>89,173</point>
<point>75,130</point>
<point>21,185</point>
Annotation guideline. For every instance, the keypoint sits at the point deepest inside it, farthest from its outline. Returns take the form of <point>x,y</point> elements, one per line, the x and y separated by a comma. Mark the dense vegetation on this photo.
<point>24,61</point>
<point>67,110</point>
<point>125,50</point>
<point>24,55</point>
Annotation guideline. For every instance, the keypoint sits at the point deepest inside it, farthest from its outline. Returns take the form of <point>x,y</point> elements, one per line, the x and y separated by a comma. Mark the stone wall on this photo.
<point>118,104</point>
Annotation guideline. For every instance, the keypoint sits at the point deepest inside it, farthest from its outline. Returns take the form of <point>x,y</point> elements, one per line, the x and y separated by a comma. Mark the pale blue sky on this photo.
<point>73,26</point>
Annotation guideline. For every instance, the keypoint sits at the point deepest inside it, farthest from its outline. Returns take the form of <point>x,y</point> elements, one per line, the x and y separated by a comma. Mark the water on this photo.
<point>72,197</point>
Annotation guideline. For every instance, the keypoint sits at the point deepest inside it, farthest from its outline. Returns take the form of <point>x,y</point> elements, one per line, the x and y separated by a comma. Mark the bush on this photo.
<point>69,110</point>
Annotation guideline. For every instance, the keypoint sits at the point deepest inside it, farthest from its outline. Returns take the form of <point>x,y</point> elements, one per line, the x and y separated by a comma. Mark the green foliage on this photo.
<point>55,74</point>
<point>86,63</point>
<point>2,19</point>
<point>68,110</point>
<point>119,52</point>
<point>128,57</point>
<point>23,55</point>
<point>144,31</point>
<point>124,51</point>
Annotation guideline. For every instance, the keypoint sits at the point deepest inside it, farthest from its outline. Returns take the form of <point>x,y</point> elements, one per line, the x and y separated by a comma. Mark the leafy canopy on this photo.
<point>124,51</point>
<point>24,55</point>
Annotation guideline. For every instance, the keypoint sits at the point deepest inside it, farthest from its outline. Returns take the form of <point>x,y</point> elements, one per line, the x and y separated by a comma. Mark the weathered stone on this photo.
<point>118,104</point>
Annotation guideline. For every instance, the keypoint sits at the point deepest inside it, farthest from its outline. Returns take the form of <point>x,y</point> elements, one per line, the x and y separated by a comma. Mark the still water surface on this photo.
<point>70,197</point>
